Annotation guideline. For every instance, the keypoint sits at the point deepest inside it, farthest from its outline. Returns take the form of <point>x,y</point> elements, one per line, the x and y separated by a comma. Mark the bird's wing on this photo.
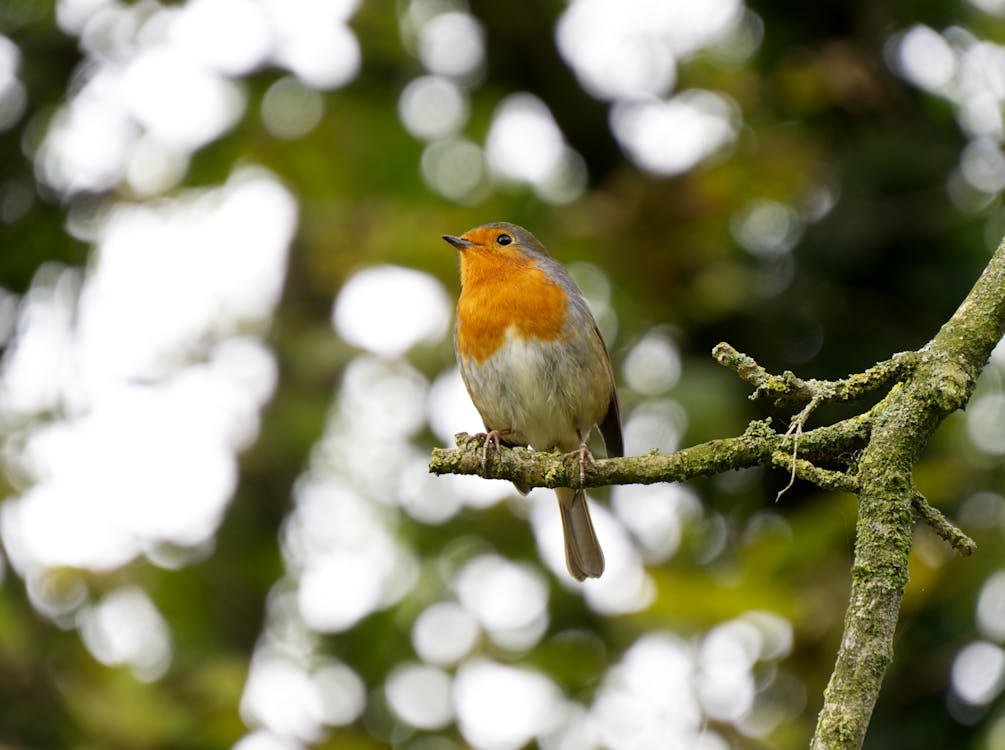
<point>610,425</point>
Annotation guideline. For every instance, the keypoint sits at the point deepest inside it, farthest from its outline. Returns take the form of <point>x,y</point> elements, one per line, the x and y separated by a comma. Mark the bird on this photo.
<point>535,365</point>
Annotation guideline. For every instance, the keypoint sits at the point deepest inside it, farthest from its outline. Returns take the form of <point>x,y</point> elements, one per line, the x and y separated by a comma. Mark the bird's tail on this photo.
<point>583,555</point>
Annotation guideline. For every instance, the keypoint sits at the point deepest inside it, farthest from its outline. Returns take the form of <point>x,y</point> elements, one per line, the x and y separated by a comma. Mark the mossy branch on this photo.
<point>755,447</point>
<point>787,388</point>
<point>877,449</point>
<point>941,380</point>
<point>942,526</point>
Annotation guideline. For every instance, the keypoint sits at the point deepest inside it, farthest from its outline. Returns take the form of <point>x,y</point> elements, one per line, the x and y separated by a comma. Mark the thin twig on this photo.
<point>788,388</point>
<point>942,526</point>
<point>827,479</point>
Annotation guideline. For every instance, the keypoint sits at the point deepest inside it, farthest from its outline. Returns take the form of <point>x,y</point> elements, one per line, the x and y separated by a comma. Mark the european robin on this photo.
<point>535,365</point>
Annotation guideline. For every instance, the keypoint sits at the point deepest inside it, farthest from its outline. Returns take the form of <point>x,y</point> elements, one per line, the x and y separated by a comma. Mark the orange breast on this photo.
<point>499,290</point>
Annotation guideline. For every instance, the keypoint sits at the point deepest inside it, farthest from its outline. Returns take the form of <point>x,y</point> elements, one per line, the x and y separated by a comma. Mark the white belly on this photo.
<point>546,400</point>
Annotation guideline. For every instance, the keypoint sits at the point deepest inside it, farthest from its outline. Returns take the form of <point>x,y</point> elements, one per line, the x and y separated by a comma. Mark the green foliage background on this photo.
<point>878,274</point>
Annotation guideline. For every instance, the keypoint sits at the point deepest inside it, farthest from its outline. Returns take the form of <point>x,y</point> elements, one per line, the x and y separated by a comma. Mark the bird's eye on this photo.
<point>503,239</point>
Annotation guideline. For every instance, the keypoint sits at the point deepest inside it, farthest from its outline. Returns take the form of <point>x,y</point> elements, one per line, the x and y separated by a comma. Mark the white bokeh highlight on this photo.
<point>766,228</point>
<point>991,608</point>
<point>342,548</point>
<point>525,145</point>
<point>291,109</point>
<point>672,136</point>
<point>985,423</point>
<point>665,690</point>
<point>630,49</point>
<point>165,79</point>
<point>653,365</point>
<point>925,58</point>
<point>657,515</point>
<point>432,107</point>
<point>452,44</point>
<point>628,54</point>
<point>978,673</point>
<point>501,707</point>
<point>977,676</point>
<point>288,699</point>
<point>157,397</point>
<point>969,73</point>
<point>509,600</point>
<point>455,168</point>
<point>13,94</point>
<point>420,695</point>
<point>389,309</point>
<point>646,699</point>
<point>444,633</point>
<point>125,628</point>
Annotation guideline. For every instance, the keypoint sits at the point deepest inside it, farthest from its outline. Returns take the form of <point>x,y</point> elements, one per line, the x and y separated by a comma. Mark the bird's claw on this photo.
<point>492,437</point>
<point>583,453</point>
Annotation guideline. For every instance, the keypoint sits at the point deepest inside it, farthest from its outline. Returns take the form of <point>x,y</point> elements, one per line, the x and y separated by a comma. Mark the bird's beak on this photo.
<point>459,242</point>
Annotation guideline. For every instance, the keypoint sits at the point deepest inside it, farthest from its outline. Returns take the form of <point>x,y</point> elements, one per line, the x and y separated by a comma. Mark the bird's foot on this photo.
<point>583,453</point>
<point>492,437</point>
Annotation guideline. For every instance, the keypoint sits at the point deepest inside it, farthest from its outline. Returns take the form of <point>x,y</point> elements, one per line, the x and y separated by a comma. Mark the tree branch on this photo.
<point>942,526</point>
<point>787,388</point>
<point>803,469</point>
<point>941,381</point>
<point>755,447</point>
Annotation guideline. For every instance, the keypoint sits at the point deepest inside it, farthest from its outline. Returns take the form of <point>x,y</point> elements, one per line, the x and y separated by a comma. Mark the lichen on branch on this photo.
<point>755,447</point>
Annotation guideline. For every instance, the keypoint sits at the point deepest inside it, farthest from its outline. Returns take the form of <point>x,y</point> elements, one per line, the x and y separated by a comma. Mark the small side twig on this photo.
<point>942,526</point>
<point>827,479</point>
<point>789,388</point>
